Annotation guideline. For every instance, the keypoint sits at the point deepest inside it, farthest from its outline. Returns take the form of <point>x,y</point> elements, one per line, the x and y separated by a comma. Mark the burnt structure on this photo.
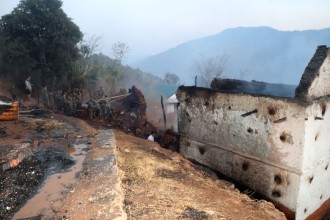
<point>277,146</point>
<point>253,87</point>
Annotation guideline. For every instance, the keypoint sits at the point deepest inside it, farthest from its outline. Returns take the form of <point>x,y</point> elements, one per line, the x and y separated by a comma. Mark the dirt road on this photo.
<point>130,178</point>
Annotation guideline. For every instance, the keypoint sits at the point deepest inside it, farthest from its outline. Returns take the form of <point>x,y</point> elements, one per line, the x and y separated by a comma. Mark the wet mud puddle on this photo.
<point>58,182</point>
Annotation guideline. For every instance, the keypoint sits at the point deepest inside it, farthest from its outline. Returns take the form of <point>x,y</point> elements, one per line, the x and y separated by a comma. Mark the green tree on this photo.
<point>39,39</point>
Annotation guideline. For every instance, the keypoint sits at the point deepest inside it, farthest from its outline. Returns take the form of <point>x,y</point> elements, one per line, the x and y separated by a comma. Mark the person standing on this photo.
<point>90,108</point>
<point>28,86</point>
<point>45,97</point>
<point>13,93</point>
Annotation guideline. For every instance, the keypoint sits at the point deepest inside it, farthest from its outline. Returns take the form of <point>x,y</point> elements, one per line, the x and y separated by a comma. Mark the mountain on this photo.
<point>254,53</point>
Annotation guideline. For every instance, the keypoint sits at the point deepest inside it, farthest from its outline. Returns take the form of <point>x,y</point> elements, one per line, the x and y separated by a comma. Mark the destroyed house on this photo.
<point>277,146</point>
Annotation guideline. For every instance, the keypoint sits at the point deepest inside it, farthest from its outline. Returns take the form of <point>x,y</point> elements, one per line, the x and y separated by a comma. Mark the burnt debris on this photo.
<point>253,87</point>
<point>280,120</point>
<point>311,72</point>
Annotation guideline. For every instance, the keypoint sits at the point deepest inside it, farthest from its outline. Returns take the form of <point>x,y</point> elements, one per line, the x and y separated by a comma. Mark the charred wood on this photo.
<point>250,113</point>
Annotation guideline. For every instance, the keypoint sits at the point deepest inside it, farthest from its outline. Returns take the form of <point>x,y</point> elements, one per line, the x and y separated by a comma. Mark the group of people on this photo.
<point>72,104</point>
<point>98,106</point>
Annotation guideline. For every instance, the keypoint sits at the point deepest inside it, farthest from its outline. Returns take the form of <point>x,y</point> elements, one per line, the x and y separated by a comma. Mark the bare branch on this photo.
<point>208,68</point>
<point>119,51</point>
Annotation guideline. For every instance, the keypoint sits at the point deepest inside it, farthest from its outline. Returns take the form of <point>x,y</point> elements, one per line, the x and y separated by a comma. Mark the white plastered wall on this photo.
<point>215,133</point>
<point>315,180</point>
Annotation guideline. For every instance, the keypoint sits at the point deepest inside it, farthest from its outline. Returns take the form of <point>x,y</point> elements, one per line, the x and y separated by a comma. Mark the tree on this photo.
<point>104,73</point>
<point>172,79</point>
<point>88,47</point>
<point>208,68</point>
<point>40,40</point>
<point>119,51</point>
<point>84,66</point>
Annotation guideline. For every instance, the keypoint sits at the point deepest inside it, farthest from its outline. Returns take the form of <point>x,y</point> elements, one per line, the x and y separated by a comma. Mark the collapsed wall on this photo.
<point>279,147</point>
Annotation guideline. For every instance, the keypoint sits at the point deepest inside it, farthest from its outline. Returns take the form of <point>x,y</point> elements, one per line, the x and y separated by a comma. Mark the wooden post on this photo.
<point>164,115</point>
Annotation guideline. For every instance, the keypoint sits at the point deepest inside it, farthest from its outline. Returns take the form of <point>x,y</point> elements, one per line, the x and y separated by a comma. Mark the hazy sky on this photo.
<point>152,26</point>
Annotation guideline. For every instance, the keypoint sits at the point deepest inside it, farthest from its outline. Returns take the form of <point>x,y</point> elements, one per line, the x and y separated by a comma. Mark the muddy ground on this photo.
<point>33,148</point>
<point>135,179</point>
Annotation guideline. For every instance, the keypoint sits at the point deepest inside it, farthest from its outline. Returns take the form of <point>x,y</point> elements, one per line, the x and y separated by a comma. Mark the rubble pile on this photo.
<point>170,140</point>
<point>130,114</point>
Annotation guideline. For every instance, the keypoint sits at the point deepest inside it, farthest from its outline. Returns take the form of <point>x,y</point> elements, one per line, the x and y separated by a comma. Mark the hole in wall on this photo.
<point>245,166</point>
<point>283,137</point>
<point>272,110</point>
<point>305,210</point>
<point>201,150</point>
<point>229,107</point>
<point>278,179</point>
<point>286,137</point>
<point>187,100</point>
<point>316,137</point>
<point>186,114</point>
<point>215,122</point>
<point>311,179</point>
<point>250,130</point>
<point>276,193</point>
<point>321,197</point>
<point>206,103</point>
<point>326,167</point>
<point>323,108</point>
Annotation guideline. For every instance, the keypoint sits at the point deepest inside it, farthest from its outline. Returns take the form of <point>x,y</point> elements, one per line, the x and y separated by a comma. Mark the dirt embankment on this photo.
<point>155,183</point>
<point>161,184</point>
